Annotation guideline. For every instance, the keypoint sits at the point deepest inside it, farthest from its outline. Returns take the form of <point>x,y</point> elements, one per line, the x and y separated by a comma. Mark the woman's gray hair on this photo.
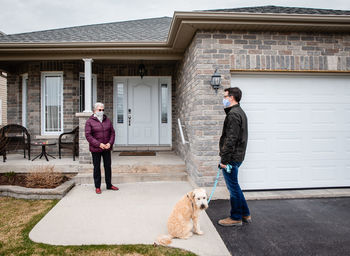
<point>98,104</point>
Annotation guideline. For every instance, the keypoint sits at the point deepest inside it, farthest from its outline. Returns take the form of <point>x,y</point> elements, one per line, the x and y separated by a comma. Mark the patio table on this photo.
<point>43,149</point>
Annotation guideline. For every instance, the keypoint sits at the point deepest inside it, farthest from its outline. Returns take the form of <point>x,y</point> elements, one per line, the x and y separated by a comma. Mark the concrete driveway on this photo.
<point>288,227</point>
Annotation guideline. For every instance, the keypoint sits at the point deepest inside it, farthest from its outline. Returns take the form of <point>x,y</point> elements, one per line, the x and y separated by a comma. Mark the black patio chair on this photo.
<point>69,140</point>
<point>12,138</point>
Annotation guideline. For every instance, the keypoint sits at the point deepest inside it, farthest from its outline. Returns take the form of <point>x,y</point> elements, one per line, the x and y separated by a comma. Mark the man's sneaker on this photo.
<point>228,222</point>
<point>98,191</point>
<point>247,219</point>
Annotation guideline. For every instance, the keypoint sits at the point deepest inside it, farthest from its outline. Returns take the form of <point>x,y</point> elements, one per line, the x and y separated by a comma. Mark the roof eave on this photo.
<point>182,29</point>
<point>193,21</point>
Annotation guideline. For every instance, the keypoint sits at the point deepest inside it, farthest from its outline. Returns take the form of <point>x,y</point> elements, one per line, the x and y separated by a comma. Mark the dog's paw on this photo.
<point>199,232</point>
<point>188,235</point>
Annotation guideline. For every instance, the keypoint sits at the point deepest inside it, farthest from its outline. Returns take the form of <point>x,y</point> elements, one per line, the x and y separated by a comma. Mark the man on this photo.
<point>233,144</point>
<point>100,134</point>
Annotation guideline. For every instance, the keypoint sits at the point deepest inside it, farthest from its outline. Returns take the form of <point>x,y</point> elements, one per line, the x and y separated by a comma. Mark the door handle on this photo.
<point>129,116</point>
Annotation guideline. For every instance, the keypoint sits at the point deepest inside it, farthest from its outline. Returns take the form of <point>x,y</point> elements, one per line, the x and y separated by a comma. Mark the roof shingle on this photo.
<point>145,30</point>
<point>283,10</point>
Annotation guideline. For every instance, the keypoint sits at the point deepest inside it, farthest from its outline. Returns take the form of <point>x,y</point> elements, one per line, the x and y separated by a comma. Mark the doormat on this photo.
<point>137,153</point>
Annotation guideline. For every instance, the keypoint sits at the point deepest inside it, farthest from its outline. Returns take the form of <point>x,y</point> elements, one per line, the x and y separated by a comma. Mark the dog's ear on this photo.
<point>191,195</point>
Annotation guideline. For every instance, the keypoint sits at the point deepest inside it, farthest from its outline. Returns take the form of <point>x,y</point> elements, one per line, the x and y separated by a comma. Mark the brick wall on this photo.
<point>201,110</point>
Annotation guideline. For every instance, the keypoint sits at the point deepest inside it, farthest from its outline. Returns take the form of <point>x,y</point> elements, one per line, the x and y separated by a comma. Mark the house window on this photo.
<point>120,103</point>
<point>82,91</point>
<point>24,99</point>
<point>52,103</point>
<point>164,103</point>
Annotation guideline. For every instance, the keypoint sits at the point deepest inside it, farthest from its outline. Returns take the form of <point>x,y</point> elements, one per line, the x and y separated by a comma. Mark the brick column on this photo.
<point>84,153</point>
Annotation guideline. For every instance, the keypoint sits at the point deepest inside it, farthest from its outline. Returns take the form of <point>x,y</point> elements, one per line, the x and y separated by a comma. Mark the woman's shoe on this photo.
<point>113,188</point>
<point>98,191</point>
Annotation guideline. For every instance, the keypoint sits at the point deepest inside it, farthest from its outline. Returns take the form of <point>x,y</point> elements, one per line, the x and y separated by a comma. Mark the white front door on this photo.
<point>142,110</point>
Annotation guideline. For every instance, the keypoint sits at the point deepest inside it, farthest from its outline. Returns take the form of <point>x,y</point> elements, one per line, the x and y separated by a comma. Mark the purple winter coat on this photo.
<point>97,133</point>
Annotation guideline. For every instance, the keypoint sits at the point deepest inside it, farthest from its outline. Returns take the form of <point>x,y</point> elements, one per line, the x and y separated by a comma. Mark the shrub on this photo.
<point>44,177</point>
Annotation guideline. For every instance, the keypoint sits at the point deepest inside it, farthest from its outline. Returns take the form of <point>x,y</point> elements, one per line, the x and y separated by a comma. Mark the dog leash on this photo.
<point>228,169</point>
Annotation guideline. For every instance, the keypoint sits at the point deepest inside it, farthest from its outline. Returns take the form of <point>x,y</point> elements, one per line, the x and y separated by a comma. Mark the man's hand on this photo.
<point>223,166</point>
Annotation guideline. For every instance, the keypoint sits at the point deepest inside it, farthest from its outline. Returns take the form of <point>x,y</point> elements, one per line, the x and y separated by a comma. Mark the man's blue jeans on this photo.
<point>239,206</point>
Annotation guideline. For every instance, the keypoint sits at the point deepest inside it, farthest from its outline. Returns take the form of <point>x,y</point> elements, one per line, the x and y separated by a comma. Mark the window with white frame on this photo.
<point>24,99</point>
<point>52,103</point>
<point>82,91</point>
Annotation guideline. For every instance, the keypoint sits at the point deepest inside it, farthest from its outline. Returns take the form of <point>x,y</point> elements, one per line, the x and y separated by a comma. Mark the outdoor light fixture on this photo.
<point>142,70</point>
<point>215,81</point>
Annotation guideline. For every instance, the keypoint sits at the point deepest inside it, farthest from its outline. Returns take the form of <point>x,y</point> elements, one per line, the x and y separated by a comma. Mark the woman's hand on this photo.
<point>107,146</point>
<point>103,146</point>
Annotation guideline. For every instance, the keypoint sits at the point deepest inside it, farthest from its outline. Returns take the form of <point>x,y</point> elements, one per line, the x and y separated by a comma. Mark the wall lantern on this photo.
<point>215,80</point>
<point>142,70</point>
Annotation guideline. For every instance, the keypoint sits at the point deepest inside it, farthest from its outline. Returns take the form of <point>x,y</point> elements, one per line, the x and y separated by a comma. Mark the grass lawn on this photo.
<point>18,217</point>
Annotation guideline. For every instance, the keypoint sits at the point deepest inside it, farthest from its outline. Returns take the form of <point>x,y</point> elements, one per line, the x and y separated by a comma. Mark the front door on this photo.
<point>142,111</point>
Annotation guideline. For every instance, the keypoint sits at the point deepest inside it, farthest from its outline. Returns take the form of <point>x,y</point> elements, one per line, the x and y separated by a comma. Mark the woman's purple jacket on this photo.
<point>97,133</point>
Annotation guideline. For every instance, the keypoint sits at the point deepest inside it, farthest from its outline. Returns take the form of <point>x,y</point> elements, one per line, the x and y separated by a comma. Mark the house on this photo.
<point>3,99</point>
<point>292,65</point>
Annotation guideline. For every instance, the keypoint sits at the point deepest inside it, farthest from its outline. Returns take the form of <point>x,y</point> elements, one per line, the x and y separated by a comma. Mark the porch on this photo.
<point>164,166</point>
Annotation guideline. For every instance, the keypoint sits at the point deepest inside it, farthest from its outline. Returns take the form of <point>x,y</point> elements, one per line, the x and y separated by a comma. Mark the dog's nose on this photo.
<point>202,206</point>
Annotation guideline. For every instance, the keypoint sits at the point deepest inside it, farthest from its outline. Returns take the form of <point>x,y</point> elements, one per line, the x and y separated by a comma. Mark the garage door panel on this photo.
<point>346,173</point>
<point>323,173</point>
<point>347,117</point>
<point>299,130</point>
<point>323,147</point>
<point>288,175</point>
<point>285,146</point>
<point>252,175</point>
<point>257,146</point>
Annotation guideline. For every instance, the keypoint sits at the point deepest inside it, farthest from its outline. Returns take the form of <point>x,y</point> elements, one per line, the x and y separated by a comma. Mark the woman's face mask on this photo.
<point>99,114</point>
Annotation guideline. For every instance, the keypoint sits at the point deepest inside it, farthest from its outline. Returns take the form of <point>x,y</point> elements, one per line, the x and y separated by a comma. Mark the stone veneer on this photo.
<point>201,110</point>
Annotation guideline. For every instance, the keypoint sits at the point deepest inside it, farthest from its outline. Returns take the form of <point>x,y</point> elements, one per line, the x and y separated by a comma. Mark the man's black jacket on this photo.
<point>234,138</point>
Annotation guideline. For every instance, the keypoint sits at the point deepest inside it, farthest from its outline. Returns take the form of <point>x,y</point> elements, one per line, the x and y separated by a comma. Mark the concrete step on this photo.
<point>141,148</point>
<point>138,168</point>
<point>118,178</point>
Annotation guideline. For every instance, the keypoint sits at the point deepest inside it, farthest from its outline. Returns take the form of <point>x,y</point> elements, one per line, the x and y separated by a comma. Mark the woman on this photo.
<point>100,134</point>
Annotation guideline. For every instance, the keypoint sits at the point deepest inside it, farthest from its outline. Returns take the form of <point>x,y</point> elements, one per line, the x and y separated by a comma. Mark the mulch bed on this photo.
<point>20,179</point>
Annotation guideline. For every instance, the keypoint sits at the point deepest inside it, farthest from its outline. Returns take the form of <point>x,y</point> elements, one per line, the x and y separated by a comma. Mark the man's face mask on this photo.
<point>226,102</point>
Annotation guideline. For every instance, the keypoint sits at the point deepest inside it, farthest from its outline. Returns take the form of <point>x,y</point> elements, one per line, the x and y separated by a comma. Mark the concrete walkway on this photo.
<point>136,214</point>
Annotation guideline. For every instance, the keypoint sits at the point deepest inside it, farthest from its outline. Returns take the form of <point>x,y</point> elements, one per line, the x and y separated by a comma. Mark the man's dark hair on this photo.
<point>235,92</point>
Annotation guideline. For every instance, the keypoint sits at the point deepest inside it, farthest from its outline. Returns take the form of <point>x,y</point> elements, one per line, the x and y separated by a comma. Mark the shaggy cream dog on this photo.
<point>185,210</point>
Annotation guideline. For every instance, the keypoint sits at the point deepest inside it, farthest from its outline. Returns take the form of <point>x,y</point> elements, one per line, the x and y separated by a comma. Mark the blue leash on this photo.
<point>228,169</point>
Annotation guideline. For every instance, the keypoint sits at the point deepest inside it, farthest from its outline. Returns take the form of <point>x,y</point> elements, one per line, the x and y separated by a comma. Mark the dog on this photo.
<point>179,222</point>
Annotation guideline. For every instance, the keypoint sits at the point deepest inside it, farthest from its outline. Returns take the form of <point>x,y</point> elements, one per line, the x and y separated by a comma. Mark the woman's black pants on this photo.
<point>96,159</point>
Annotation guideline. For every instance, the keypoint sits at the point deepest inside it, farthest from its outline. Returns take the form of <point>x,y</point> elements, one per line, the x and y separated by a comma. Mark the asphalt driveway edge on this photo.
<point>222,193</point>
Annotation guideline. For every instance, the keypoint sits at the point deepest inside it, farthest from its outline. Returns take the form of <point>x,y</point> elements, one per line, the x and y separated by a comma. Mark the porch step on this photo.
<point>118,178</point>
<point>141,168</point>
<point>141,148</point>
<point>164,166</point>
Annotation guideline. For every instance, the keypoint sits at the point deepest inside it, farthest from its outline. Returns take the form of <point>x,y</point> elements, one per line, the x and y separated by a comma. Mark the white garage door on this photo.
<point>299,130</point>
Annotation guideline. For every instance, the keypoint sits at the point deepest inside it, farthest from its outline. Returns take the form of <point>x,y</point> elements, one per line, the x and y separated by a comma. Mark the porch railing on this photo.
<point>181,132</point>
